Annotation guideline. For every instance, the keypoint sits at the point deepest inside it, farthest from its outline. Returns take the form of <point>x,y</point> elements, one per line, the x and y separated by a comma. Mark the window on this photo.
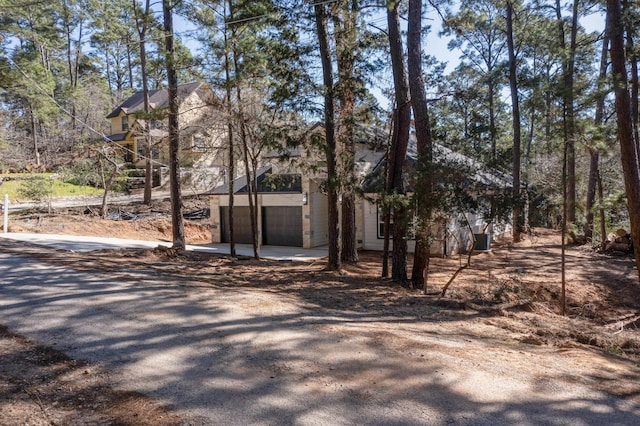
<point>140,144</point>
<point>199,143</point>
<point>128,152</point>
<point>411,229</point>
<point>380,215</point>
<point>125,123</point>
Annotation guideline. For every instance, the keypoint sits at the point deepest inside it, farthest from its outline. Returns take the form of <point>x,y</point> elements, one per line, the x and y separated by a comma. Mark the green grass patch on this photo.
<point>56,187</point>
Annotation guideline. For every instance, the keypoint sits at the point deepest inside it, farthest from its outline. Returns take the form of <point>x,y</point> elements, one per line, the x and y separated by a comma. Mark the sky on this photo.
<point>434,45</point>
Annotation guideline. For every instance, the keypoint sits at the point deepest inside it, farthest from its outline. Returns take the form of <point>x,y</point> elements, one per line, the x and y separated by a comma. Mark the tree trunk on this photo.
<point>399,144</point>
<point>594,160</point>
<point>174,135</point>
<point>603,223</point>
<point>251,188</point>
<point>34,136</point>
<point>345,19</point>
<point>330,148</point>
<point>252,179</point>
<point>515,108</point>
<point>424,187</point>
<point>624,121</point>
<point>231,167</point>
<point>129,62</point>
<point>141,26</point>
<point>594,163</point>
<point>492,112</point>
<point>633,62</point>
<point>107,184</point>
<point>568,66</point>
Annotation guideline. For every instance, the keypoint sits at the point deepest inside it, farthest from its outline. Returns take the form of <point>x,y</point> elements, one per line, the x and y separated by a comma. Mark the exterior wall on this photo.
<point>198,107</point>
<point>116,123</point>
<point>459,238</point>
<point>314,213</point>
<point>216,225</point>
<point>370,240</point>
<point>360,205</point>
<point>319,223</point>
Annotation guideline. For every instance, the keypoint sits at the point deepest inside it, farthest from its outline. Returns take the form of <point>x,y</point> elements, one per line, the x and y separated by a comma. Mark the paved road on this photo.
<point>85,244</point>
<point>243,357</point>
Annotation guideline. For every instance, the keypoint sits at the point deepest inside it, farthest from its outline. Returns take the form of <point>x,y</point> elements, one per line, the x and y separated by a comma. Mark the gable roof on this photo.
<point>158,99</point>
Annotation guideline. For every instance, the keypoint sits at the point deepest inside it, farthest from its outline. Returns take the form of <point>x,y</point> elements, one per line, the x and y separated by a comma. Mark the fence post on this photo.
<point>5,209</point>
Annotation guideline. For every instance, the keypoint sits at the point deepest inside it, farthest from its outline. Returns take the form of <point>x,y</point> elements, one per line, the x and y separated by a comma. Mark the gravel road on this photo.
<point>242,357</point>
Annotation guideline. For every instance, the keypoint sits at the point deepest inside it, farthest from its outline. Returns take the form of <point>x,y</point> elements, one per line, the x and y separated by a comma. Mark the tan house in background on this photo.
<point>202,132</point>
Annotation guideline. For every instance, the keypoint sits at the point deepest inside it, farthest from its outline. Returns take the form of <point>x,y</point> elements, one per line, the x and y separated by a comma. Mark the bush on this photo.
<point>35,189</point>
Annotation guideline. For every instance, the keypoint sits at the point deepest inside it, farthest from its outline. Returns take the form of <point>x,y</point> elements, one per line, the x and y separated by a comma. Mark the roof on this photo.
<point>240,182</point>
<point>158,99</point>
<point>477,172</point>
<point>117,137</point>
<point>268,182</point>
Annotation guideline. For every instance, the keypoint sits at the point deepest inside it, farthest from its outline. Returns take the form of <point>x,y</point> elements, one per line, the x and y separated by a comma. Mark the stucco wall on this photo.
<point>318,216</point>
<point>457,238</point>
<point>370,239</point>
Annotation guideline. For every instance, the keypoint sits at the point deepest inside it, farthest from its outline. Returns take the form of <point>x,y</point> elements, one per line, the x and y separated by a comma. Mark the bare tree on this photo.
<point>515,108</point>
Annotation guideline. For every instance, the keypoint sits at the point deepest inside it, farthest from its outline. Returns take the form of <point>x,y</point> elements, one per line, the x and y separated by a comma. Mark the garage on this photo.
<point>282,226</point>
<point>241,225</point>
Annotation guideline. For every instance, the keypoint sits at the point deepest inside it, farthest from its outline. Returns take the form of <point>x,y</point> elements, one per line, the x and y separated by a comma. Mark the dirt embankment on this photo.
<point>135,221</point>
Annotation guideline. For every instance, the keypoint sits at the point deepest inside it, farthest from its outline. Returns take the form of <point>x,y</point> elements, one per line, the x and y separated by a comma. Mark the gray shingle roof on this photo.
<point>117,137</point>
<point>476,172</point>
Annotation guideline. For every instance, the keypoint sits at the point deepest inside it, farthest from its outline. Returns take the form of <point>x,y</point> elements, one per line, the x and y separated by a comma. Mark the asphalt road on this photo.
<point>242,357</point>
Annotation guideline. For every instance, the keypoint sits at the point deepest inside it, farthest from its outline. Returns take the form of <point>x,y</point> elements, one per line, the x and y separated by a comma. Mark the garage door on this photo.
<point>241,225</point>
<point>282,226</point>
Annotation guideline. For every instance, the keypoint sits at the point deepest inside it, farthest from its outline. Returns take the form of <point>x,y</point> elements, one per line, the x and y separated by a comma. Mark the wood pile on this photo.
<point>619,242</point>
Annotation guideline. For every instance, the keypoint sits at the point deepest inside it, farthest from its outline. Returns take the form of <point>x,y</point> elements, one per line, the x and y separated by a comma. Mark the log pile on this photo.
<point>619,243</point>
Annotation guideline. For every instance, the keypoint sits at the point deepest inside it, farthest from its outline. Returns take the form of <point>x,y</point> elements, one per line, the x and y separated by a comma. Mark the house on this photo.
<point>202,136</point>
<point>293,209</point>
<point>292,205</point>
<point>454,232</point>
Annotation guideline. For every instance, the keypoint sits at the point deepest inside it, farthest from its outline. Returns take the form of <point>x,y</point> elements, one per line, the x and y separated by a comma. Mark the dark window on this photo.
<point>128,153</point>
<point>125,123</point>
<point>380,216</point>
<point>140,151</point>
<point>199,143</point>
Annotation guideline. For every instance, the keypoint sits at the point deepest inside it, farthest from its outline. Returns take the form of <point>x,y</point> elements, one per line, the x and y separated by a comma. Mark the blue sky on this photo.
<point>434,45</point>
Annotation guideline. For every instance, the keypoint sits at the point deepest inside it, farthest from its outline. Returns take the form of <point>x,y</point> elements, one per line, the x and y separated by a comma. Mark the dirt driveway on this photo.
<point>156,337</point>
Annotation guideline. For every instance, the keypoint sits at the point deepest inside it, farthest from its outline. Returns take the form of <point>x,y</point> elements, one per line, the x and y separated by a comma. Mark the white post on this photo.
<point>6,213</point>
